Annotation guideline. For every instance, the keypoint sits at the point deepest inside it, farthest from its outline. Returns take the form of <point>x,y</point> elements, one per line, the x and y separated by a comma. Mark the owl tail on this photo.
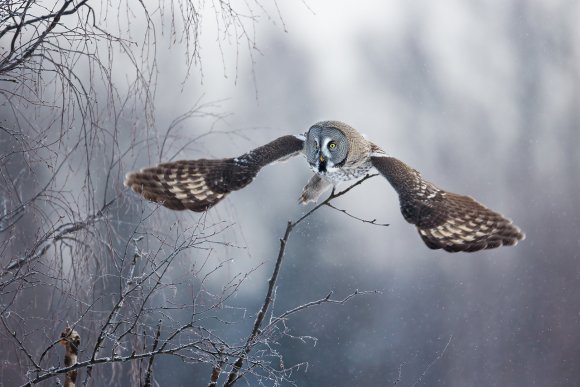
<point>195,185</point>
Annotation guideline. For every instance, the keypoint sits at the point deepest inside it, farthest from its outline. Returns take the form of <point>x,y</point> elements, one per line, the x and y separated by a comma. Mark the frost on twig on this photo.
<point>258,330</point>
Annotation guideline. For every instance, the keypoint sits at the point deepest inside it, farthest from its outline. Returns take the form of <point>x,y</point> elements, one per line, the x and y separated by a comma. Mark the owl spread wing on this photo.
<point>198,185</point>
<point>445,220</point>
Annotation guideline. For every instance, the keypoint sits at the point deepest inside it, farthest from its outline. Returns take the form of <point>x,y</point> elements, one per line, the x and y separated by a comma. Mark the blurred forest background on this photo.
<point>482,97</point>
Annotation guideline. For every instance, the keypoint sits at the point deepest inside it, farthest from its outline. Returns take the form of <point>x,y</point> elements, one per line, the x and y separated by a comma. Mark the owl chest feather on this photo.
<point>345,173</point>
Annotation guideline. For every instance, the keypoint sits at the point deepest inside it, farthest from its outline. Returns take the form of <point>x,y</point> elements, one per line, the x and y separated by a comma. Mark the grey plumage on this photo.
<point>335,152</point>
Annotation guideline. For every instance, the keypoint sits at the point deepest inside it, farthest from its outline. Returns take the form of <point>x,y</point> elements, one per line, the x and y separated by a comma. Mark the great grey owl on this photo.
<point>335,152</point>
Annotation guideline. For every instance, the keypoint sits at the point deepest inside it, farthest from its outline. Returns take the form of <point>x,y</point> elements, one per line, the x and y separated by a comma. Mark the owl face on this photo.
<point>326,148</point>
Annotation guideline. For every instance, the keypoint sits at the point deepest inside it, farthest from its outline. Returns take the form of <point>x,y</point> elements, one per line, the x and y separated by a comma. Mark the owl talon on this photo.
<point>312,191</point>
<point>304,199</point>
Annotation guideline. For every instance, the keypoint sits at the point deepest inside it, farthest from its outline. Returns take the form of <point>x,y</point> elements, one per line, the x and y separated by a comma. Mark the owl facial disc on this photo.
<point>326,148</point>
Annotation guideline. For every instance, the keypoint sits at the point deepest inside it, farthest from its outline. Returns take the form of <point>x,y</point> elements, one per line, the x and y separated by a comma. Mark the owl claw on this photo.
<point>312,191</point>
<point>304,199</point>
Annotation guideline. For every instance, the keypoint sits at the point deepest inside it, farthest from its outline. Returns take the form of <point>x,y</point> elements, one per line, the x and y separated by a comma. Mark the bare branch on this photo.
<point>374,221</point>
<point>325,300</point>
<point>51,238</point>
<point>234,374</point>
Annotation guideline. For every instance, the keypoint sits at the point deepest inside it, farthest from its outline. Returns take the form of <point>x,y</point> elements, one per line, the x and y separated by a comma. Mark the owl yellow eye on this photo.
<point>332,145</point>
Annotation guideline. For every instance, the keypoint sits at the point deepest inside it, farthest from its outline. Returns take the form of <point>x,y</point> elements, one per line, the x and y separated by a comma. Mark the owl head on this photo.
<point>327,145</point>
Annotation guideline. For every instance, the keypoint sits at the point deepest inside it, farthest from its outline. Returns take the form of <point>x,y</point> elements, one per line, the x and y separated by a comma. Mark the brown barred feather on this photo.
<point>446,220</point>
<point>193,185</point>
<point>198,185</point>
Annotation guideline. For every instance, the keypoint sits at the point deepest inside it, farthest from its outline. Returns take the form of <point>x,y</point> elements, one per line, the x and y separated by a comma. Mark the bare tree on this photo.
<point>74,252</point>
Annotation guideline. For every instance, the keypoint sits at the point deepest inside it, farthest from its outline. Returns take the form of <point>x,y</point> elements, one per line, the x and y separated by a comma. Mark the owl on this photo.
<point>335,152</point>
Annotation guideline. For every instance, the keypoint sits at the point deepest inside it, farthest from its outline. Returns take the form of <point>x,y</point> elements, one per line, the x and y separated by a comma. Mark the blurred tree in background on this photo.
<point>481,97</point>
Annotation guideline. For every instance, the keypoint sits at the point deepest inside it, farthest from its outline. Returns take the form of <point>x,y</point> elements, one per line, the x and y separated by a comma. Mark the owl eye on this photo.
<point>332,145</point>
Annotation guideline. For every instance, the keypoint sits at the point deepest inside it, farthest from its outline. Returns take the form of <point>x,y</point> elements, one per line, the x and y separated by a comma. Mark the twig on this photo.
<point>109,360</point>
<point>399,373</point>
<point>235,372</point>
<point>439,356</point>
<point>20,344</point>
<point>56,235</point>
<point>233,377</point>
<point>374,221</point>
<point>310,304</point>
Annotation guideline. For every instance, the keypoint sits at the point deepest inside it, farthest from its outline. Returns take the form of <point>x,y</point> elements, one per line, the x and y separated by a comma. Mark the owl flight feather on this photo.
<point>335,152</point>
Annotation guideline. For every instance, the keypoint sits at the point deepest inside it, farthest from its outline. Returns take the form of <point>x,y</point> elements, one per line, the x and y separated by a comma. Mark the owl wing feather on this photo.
<point>198,185</point>
<point>445,220</point>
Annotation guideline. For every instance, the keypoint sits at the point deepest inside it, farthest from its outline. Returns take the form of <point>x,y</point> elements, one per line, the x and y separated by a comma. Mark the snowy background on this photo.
<point>483,98</point>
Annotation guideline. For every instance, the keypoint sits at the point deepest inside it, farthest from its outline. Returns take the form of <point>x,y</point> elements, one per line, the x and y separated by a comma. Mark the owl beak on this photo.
<point>321,157</point>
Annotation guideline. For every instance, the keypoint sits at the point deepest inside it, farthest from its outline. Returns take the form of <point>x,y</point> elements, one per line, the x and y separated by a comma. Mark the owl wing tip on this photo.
<point>167,185</point>
<point>454,239</point>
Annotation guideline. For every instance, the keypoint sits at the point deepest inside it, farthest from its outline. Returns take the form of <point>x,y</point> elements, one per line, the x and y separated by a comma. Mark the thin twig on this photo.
<point>374,221</point>
<point>439,356</point>
<point>56,235</point>
<point>399,373</point>
<point>233,377</point>
<point>310,304</point>
<point>237,366</point>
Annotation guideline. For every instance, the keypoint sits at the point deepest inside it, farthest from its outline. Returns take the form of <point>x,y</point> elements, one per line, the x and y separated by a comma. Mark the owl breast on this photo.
<point>338,174</point>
